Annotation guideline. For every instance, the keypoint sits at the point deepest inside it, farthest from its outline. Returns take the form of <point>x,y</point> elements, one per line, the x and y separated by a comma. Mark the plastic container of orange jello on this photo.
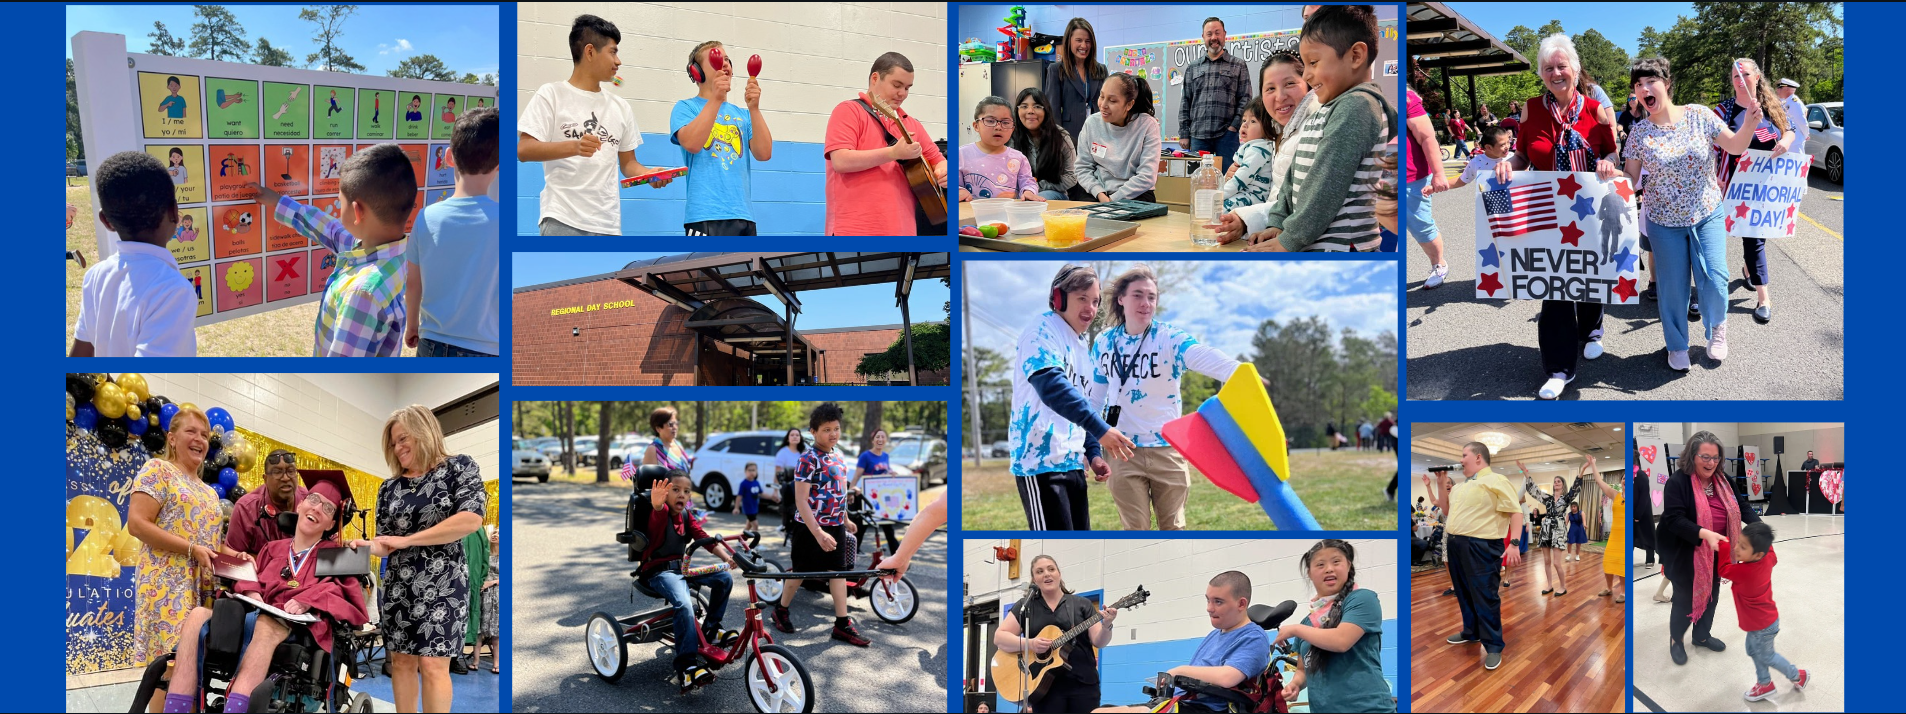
<point>1065,227</point>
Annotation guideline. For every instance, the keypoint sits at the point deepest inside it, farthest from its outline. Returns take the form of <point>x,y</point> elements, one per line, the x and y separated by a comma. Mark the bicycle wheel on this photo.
<point>792,689</point>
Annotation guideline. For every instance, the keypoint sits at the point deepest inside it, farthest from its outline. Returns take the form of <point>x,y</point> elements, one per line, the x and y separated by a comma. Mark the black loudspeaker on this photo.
<point>1780,444</point>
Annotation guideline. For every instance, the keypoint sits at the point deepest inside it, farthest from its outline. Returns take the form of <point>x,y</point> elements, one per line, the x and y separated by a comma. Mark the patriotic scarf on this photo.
<point>1571,148</point>
<point>1703,555</point>
<point>1765,136</point>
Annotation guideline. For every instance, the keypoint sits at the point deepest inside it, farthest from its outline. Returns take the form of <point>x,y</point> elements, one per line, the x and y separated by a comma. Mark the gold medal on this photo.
<point>292,583</point>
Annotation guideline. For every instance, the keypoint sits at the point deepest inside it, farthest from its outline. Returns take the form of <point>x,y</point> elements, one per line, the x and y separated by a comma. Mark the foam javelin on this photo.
<point>1236,440</point>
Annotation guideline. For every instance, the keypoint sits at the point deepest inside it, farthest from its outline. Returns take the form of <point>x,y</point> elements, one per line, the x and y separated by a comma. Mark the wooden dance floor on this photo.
<point>1563,654</point>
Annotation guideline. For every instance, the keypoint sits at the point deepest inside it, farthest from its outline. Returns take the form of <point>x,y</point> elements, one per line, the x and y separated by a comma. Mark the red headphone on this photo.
<point>714,60</point>
<point>1057,300</point>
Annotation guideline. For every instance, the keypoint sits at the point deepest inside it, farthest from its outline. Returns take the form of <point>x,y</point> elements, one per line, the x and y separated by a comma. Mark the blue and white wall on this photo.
<point>1165,632</point>
<point>814,56</point>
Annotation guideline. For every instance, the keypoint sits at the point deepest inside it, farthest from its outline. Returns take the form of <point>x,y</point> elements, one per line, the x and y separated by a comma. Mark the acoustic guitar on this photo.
<point>1024,675</point>
<point>926,189</point>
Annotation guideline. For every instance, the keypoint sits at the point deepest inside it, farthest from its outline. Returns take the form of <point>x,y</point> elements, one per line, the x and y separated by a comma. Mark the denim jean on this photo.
<point>674,588</point>
<point>1462,150</point>
<point>1422,223</point>
<point>1051,195</point>
<point>1760,646</point>
<point>427,347</point>
<point>1223,146</point>
<point>1700,250</point>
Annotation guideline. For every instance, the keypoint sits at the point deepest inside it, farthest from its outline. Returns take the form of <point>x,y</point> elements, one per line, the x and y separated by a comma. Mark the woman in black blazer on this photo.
<point>1688,549</point>
<point>1072,82</point>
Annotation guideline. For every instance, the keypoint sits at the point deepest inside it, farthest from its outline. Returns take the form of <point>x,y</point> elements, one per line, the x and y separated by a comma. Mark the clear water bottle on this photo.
<point>1207,200</point>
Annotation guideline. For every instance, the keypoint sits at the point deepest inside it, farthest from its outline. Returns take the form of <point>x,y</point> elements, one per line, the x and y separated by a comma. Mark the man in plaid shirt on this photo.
<point>362,311</point>
<point>1217,89</point>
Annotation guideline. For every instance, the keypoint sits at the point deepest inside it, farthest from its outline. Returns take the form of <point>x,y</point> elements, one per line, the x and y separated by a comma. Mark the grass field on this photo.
<point>285,332</point>
<point>1343,489</point>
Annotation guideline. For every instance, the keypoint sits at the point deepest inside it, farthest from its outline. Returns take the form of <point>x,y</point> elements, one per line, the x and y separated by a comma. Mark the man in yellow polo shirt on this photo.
<point>1481,511</point>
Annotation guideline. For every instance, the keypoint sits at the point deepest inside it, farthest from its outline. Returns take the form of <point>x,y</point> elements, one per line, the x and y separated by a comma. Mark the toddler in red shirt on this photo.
<point>1752,578</point>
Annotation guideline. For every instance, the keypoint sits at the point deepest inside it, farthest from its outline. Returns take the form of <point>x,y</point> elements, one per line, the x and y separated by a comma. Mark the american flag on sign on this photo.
<point>1516,210</point>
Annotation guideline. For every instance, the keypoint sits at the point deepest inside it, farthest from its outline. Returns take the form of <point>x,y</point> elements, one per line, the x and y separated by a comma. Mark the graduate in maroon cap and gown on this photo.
<point>287,580</point>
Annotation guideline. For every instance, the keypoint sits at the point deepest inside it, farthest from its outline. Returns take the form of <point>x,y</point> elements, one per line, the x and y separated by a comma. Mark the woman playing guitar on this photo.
<point>1076,687</point>
<point>882,167</point>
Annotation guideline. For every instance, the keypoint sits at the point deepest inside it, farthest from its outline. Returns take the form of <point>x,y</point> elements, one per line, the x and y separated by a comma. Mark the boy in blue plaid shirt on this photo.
<point>362,311</point>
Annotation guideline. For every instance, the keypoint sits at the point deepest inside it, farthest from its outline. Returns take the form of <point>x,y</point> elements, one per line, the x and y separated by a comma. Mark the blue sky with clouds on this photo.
<point>858,306</point>
<point>378,36</point>
<point>1221,304</point>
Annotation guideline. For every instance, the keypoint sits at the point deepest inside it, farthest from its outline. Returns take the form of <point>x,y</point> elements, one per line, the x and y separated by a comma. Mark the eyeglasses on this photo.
<point>280,459</point>
<point>994,123</point>
<point>323,506</point>
<point>1709,459</point>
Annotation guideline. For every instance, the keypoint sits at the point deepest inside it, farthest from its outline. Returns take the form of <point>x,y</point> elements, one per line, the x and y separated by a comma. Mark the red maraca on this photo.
<point>754,66</point>
<point>715,60</point>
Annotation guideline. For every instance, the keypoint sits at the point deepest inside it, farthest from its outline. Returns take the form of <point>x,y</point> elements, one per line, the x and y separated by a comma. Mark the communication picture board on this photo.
<point>220,127</point>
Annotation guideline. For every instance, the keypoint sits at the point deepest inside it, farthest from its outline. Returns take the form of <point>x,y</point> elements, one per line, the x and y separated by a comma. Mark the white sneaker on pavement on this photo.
<point>1717,344</point>
<point>1436,276</point>
<point>1553,388</point>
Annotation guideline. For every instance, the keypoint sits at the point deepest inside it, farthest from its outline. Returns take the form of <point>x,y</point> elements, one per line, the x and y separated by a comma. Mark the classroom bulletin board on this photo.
<point>220,127</point>
<point>1162,64</point>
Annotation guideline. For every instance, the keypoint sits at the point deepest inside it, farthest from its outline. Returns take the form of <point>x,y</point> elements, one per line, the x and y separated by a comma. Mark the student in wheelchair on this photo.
<point>287,580</point>
<point>1233,656</point>
<point>667,532</point>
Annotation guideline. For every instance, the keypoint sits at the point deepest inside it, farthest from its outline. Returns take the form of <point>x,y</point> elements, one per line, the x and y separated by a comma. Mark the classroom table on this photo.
<point>1168,233</point>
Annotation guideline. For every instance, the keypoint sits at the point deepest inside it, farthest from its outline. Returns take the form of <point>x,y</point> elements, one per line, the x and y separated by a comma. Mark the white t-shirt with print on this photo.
<point>1042,440</point>
<point>1154,365</point>
<point>582,191</point>
<point>1481,165</point>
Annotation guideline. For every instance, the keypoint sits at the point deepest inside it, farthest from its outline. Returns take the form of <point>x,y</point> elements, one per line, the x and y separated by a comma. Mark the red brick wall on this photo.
<point>642,345</point>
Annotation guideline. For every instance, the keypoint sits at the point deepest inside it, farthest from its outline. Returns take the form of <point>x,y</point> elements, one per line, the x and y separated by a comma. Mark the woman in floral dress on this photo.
<point>1551,531</point>
<point>177,517</point>
<point>423,512</point>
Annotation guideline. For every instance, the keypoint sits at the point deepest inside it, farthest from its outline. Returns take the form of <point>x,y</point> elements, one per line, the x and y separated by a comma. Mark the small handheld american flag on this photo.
<point>1517,210</point>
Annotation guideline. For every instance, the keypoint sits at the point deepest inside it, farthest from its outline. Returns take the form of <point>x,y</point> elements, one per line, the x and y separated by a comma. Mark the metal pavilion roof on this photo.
<point>1444,39</point>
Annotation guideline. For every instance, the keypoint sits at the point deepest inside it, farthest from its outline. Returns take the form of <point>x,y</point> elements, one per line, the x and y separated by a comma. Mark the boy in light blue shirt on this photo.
<point>716,139</point>
<point>453,246</point>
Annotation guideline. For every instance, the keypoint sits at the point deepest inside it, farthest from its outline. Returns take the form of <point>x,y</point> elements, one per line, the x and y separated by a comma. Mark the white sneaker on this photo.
<point>1436,276</point>
<point>1678,360</point>
<point>1553,388</point>
<point>1717,344</point>
<point>1594,347</point>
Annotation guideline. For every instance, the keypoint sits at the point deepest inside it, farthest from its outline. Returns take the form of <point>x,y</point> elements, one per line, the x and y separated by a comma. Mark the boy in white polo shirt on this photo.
<point>136,303</point>
<point>582,134</point>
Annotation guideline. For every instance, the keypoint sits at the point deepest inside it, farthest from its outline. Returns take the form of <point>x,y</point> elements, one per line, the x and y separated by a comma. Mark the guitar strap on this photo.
<point>919,214</point>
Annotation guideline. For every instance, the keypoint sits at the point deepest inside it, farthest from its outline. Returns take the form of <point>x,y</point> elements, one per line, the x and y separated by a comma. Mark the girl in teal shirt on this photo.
<point>1341,642</point>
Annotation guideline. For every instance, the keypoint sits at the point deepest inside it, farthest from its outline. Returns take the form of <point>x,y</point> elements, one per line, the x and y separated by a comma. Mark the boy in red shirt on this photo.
<point>1754,602</point>
<point>867,190</point>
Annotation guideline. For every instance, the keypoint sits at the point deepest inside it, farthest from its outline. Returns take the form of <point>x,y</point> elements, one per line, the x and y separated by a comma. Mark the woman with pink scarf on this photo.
<point>1700,515</point>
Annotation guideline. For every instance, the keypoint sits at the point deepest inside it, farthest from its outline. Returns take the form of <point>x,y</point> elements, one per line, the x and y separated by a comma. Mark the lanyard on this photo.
<point>1123,370</point>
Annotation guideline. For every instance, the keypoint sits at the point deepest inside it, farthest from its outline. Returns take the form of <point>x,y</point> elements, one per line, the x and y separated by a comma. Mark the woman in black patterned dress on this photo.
<point>423,512</point>
<point>1551,532</point>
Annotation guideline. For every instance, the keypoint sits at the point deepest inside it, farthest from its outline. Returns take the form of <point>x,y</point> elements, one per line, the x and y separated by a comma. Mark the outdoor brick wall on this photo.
<point>644,344</point>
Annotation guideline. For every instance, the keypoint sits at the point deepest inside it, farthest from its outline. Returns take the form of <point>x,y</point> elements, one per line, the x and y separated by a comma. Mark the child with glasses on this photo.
<point>989,168</point>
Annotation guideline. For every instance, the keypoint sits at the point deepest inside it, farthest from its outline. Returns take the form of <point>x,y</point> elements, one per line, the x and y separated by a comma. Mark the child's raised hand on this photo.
<point>752,95</point>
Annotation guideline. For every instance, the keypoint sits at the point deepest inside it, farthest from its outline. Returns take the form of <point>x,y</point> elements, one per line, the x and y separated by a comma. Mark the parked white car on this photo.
<point>527,463</point>
<point>721,463</point>
<point>1825,142</point>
